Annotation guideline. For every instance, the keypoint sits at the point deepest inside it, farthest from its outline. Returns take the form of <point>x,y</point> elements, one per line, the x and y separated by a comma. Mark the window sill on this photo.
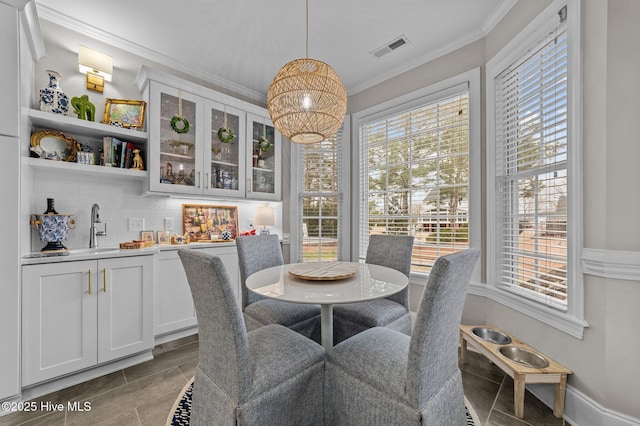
<point>564,322</point>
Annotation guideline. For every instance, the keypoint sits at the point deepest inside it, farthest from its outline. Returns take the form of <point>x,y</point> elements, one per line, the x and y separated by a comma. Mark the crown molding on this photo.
<point>66,21</point>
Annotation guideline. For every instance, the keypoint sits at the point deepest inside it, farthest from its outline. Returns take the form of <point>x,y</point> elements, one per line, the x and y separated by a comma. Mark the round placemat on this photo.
<point>324,271</point>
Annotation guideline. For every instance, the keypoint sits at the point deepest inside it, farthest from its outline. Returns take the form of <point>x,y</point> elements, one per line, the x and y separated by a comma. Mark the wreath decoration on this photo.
<point>225,134</point>
<point>264,144</point>
<point>179,124</point>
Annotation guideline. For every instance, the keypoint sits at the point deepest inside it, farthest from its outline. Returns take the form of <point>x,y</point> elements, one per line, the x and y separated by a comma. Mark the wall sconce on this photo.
<point>97,66</point>
<point>265,217</point>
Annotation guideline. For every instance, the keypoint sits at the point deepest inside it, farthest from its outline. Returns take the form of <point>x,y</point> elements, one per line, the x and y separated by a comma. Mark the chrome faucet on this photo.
<point>93,232</point>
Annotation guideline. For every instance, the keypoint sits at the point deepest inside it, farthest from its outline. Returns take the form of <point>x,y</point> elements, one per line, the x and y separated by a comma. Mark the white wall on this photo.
<point>605,361</point>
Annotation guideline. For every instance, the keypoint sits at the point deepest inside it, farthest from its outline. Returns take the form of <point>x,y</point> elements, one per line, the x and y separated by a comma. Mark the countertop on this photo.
<point>109,252</point>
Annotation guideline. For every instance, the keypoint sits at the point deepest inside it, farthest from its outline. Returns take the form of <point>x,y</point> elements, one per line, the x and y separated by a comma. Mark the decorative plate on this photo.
<point>324,271</point>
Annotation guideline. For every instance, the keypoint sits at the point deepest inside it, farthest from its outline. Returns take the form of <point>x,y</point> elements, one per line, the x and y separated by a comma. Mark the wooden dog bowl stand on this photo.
<point>521,374</point>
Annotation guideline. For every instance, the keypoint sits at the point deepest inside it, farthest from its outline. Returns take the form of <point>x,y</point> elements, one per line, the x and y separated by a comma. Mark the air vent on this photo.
<point>391,46</point>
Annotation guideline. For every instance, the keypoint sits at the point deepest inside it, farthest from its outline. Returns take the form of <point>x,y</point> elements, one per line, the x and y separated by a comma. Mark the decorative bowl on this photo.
<point>491,335</point>
<point>524,356</point>
<point>53,229</point>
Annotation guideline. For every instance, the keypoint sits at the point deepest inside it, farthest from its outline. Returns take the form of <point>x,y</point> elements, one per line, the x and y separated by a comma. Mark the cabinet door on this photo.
<point>174,304</point>
<point>175,140</point>
<point>9,83</point>
<point>265,178</point>
<point>125,306</point>
<point>224,157</point>
<point>59,319</point>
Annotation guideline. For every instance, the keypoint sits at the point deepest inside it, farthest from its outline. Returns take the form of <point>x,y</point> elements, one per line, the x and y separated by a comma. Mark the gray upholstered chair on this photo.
<point>269,376</point>
<point>259,252</point>
<point>383,377</point>
<point>393,251</point>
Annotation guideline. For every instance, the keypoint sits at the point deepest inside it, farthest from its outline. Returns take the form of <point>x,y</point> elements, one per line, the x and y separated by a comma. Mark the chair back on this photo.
<point>392,251</point>
<point>255,253</point>
<point>224,345</point>
<point>433,351</point>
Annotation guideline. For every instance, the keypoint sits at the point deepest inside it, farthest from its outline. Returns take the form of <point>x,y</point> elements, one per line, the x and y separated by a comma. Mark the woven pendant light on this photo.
<point>306,99</point>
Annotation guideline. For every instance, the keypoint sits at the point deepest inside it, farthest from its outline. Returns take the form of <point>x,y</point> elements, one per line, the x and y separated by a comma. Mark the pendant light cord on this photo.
<point>307,40</point>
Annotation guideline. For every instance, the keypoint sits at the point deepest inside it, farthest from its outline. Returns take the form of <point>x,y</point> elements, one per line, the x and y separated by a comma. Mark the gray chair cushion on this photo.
<point>392,251</point>
<point>259,252</point>
<point>382,377</point>
<point>269,376</point>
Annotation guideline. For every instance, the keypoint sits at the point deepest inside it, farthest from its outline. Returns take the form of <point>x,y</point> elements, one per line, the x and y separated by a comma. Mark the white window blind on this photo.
<point>414,177</point>
<point>320,200</point>
<point>531,157</point>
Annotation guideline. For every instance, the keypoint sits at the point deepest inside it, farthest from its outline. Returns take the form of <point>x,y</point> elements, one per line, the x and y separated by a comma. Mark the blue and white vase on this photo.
<point>52,99</point>
<point>226,235</point>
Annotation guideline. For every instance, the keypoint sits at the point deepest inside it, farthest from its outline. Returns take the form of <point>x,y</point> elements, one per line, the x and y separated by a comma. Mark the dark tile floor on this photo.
<point>145,393</point>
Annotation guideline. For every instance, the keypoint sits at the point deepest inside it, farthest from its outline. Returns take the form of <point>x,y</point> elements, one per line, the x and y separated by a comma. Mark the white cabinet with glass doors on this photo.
<point>265,162</point>
<point>176,146</point>
<point>209,143</point>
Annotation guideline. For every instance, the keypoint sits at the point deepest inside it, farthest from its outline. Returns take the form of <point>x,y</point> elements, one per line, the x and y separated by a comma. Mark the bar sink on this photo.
<point>524,357</point>
<point>491,335</point>
<point>94,250</point>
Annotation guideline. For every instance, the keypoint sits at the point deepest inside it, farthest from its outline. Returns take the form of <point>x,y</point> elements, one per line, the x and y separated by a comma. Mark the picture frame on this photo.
<point>147,236</point>
<point>210,223</point>
<point>53,145</point>
<point>124,113</point>
<point>163,237</point>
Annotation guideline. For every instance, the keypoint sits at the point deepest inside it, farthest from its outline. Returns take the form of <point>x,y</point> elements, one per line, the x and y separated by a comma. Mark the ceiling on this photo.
<point>241,44</point>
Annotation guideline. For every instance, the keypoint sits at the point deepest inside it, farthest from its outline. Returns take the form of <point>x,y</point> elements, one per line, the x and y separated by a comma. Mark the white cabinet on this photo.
<point>79,314</point>
<point>174,304</point>
<point>9,109</point>
<point>266,144</point>
<point>189,151</point>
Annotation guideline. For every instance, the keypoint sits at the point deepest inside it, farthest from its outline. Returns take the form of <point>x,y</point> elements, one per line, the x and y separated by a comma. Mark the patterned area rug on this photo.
<point>182,409</point>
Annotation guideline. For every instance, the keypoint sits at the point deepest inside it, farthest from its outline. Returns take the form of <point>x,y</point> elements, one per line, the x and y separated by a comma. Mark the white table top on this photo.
<point>370,282</point>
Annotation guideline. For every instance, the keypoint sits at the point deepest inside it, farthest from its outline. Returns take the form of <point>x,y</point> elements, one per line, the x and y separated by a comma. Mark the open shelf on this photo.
<point>47,120</point>
<point>85,169</point>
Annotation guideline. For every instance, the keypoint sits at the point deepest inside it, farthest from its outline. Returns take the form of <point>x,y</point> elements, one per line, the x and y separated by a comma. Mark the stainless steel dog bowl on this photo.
<point>491,335</point>
<point>524,357</point>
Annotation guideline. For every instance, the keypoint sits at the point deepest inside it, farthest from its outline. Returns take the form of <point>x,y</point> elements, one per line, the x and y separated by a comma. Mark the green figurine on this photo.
<point>83,108</point>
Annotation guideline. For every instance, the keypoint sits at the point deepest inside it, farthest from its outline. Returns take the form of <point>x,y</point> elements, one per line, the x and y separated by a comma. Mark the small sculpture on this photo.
<point>83,108</point>
<point>137,160</point>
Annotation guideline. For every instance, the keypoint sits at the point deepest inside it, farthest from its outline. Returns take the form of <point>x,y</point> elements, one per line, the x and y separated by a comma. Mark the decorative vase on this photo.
<point>52,99</point>
<point>226,235</point>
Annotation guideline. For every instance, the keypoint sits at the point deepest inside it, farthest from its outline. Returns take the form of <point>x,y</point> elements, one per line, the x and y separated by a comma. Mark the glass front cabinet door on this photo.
<point>225,150</point>
<point>264,160</point>
<point>176,145</point>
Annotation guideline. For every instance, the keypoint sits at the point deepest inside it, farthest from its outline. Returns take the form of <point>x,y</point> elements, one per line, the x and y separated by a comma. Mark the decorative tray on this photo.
<point>324,271</point>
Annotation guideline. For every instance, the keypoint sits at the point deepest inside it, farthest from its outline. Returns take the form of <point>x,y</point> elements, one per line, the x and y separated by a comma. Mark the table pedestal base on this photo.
<point>326,326</point>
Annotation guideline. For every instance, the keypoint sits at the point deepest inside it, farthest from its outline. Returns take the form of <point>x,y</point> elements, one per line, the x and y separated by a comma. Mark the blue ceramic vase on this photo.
<point>52,98</point>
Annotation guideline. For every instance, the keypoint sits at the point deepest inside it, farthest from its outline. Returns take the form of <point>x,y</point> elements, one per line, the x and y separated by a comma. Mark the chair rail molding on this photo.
<point>613,264</point>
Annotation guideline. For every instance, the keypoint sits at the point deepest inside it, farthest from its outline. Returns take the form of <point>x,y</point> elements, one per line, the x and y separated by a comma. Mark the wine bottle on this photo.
<point>50,208</point>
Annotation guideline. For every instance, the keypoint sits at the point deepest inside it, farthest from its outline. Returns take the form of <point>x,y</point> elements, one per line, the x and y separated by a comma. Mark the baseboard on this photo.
<point>581,410</point>
<point>164,338</point>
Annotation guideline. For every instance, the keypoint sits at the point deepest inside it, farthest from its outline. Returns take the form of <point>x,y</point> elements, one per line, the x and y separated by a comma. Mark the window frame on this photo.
<point>407,102</point>
<point>572,321</point>
<point>297,188</point>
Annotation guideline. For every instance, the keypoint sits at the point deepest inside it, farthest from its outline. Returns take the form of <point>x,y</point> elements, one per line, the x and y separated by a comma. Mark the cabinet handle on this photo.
<point>104,280</point>
<point>89,281</point>
<point>206,181</point>
<point>198,179</point>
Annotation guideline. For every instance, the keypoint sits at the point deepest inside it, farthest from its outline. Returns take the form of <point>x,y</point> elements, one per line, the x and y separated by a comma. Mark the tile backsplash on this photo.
<point>119,199</point>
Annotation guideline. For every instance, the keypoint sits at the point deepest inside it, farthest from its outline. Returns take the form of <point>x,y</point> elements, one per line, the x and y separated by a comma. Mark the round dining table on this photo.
<point>309,282</point>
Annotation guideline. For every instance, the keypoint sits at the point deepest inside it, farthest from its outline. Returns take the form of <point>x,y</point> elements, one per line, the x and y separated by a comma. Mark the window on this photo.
<point>532,148</point>
<point>320,200</point>
<point>415,173</point>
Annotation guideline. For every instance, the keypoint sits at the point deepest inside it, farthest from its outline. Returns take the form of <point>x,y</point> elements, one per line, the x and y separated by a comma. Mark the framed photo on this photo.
<point>124,113</point>
<point>209,223</point>
<point>147,236</point>
<point>163,237</point>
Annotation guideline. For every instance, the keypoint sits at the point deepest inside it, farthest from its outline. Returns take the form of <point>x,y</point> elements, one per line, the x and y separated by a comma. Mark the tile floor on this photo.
<point>145,393</point>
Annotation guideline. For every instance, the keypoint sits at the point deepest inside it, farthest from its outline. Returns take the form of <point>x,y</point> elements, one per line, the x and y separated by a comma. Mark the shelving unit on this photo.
<point>88,129</point>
